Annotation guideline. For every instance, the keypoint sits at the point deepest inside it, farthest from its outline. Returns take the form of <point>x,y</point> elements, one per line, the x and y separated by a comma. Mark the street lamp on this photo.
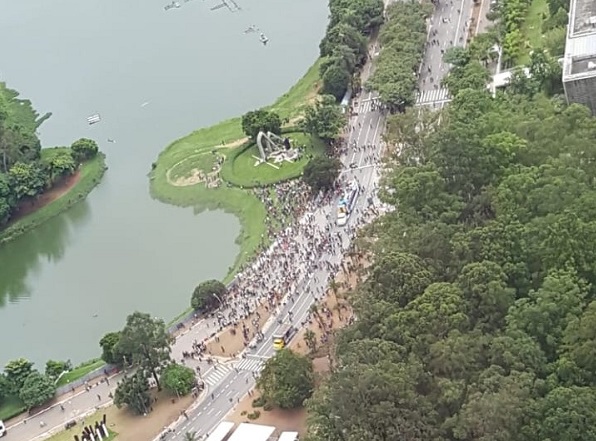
<point>218,298</point>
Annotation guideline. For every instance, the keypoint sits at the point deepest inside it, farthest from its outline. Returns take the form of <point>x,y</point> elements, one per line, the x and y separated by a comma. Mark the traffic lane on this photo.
<point>205,417</point>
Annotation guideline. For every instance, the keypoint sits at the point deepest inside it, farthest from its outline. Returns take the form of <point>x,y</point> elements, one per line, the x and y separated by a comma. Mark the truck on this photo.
<point>282,337</point>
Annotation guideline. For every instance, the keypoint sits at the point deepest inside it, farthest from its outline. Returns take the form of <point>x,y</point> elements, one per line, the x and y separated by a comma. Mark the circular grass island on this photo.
<point>244,168</point>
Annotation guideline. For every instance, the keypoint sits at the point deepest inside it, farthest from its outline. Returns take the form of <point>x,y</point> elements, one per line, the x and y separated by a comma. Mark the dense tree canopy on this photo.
<point>260,120</point>
<point>344,46</point>
<point>208,295</point>
<point>148,342</point>
<point>110,351</point>
<point>37,389</point>
<point>402,40</point>
<point>287,379</point>
<point>477,318</point>
<point>178,379</point>
<point>321,172</point>
<point>133,391</point>
<point>26,172</point>
<point>324,119</point>
<point>16,372</point>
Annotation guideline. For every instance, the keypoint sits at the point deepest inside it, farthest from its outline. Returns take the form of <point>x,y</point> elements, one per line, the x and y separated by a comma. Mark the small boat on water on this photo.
<point>173,5</point>
<point>94,119</point>
<point>263,39</point>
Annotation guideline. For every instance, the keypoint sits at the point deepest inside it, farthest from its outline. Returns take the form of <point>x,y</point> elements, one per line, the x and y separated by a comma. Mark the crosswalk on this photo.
<point>217,374</point>
<point>435,96</point>
<point>250,364</point>
<point>366,105</point>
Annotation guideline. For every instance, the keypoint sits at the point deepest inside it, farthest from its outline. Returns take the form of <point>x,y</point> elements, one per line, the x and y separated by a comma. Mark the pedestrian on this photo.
<point>98,397</point>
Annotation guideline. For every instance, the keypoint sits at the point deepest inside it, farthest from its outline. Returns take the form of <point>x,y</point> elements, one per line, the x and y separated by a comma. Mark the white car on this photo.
<point>3,430</point>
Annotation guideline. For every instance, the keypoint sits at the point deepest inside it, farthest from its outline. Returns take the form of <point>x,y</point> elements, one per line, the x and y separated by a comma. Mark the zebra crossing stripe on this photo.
<point>216,375</point>
<point>250,365</point>
<point>431,96</point>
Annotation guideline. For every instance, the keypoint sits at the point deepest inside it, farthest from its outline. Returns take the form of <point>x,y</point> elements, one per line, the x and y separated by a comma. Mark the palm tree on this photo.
<point>310,338</point>
<point>191,436</point>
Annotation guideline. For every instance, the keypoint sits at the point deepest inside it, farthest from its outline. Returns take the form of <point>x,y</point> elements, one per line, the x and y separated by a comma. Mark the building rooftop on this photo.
<point>580,47</point>
<point>582,17</point>
<point>288,436</point>
<point>252,432</point>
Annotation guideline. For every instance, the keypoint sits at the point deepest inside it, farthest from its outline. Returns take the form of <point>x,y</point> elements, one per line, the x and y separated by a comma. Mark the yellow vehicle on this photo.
<point>283,336</point>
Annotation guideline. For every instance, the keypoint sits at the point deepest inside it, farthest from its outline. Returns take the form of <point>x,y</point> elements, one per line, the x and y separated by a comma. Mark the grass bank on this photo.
<point>91,173</point>
<point>80,371</point>
<point>240,170</point>
<point>10,407</point>
<point>187,154</point>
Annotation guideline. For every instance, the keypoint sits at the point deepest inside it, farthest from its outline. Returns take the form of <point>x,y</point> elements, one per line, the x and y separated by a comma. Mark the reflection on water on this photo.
<point>22,257</point>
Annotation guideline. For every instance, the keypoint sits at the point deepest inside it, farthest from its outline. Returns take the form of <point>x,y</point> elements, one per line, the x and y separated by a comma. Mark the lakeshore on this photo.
<point>56,200</point>
<point>183,157</point>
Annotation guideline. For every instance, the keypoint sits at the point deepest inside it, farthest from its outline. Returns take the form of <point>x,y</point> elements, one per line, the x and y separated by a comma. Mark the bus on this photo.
<point>347,203</point>
<point>282,337</point>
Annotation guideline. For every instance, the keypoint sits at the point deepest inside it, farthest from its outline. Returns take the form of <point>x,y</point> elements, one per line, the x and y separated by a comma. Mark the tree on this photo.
<point>147,340</point>
<point>84,149</point>
<point>178,379</point>
<point>565,414</point>
<point>287,379</point>
<point>26,180</point>
<point>133,391</point>
<point>336,80</point>
<point>310,338</point>
<point>208,295</point>
<point>16,372</point>
<point>260,120</point>
<point>4,387</point>
<point>321,172</point>
<point>55,368</point>
<point>325,119</point>
<point>546,312</point>
<point>109,349</point>
<point>59,165</point>
<point>37,389</point>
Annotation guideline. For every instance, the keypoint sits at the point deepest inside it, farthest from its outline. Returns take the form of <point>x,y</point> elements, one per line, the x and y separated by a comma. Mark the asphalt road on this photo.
<point>448,27</point>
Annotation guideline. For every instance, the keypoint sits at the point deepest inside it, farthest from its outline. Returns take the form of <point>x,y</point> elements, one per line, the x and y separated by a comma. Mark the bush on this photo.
<point>267,407</point>
<point>253,415</point>
<point>258,402</point>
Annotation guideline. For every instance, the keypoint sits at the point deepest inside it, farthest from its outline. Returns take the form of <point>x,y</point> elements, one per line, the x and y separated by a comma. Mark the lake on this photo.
<point>153,76</point>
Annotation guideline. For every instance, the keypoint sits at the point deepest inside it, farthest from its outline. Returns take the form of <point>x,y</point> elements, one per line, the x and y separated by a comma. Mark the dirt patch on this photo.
<point>283,420</point>
<point>197,175</point>
<point>231,341</point>
<point>131,427</point>
<point>233,144</point>
<point>59,189</point>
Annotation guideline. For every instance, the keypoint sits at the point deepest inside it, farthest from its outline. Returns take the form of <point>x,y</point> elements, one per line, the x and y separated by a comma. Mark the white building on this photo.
<point>579,63</point>
<point>252,432</point>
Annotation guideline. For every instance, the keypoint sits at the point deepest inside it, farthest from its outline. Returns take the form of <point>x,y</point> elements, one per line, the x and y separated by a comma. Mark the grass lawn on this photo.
<point>80,371</point>
<point>204,161</point>
<point>185,155</point>
<point>241,170</point>
<point>11,406</point>
<point>91,173</point>
<point>532,29</point>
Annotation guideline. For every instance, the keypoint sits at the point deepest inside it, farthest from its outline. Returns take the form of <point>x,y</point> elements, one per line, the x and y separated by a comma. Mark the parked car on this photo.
<point>3,430</point>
